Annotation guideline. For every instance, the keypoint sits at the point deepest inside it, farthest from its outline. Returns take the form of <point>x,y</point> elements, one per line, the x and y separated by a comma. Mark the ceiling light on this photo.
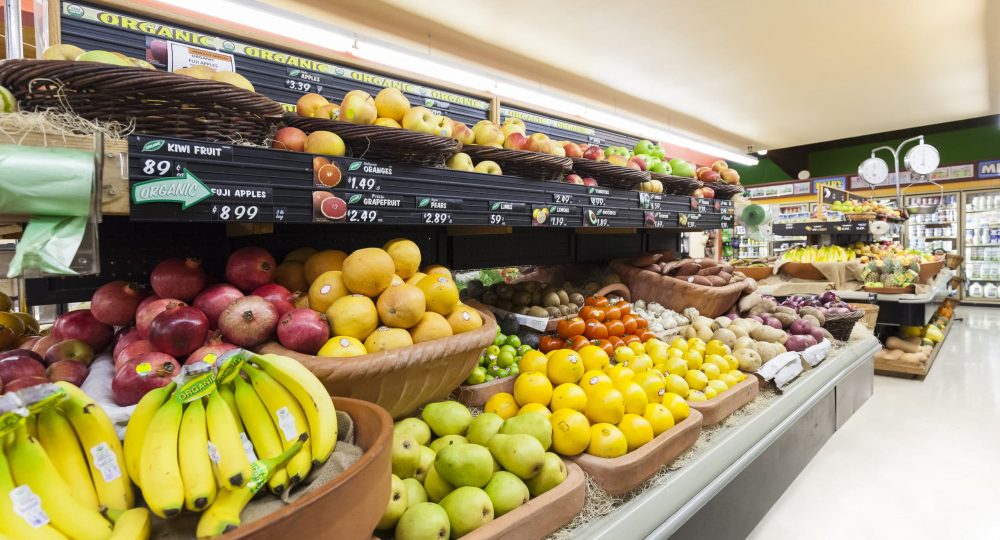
<point>538,99</point>
<point>761,152</point>
<point>423,66</point>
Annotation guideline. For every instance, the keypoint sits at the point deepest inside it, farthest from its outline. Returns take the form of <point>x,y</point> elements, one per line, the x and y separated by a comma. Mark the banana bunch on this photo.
<point>812,254</point>
<point>61,466</point>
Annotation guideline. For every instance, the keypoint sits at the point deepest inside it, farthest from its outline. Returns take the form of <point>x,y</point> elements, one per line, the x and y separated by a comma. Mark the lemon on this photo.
<point>624,354</point>
<point>535,408</point>
<point>653,384</point>
<point>637,347</point>
<point>696,344</point>
<point>594,380</point>
<point>729,379</point>
<point>677,366</point>
<point>502,404</point>
<point>659,417</point>
<point>711,371</point>
<point>533,361</point>
<point>565,366</point>
<point>717,347</point>
<point>679,343</point>
<point>637,430</point>
<point>605,405</point>
<point>709,392</point>
<point>675,353</point>
<point>677,385</point>
<point>570,432</point>
<point>696,379</point>
<point>720,386</point>
<point>635,397</point>
<point>697,395</point>
<point>620,374</point>
<point>593,357</point>
<point>657,350</point>
<point>532,387</point>
<point>641,363</point>
<point>719,362</point>
<point>568,396</point>
<point>738,374</point>
<point>733,362</point>
<point>607,441</point>
<point>342,347</point>
<point>693,358</point>
<point>678,408</point>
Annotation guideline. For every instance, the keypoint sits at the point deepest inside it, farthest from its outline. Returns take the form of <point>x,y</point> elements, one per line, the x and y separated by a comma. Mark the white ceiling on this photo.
<point>772,73</point>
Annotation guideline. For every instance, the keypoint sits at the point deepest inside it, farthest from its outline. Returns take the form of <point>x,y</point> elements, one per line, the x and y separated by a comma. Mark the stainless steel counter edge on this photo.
<point>661,510</point>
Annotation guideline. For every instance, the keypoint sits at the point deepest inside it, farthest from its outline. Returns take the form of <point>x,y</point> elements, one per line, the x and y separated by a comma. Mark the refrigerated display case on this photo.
<point>940,230</point>
<point>782,244</point>
<point>981,245</point>
<point>749,248</point>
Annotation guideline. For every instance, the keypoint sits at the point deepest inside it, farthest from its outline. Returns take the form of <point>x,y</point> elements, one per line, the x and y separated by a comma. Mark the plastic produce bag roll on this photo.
<point>53,186</point>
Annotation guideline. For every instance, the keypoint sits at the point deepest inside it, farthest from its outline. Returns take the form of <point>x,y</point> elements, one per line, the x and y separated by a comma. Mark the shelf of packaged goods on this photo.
<point>970,259</point>
<point>970,278</point>
<point>967,211</point>
<point>933,223</point>
<point>739,467</point>
<point>931,237</point>
<point>979,299</point>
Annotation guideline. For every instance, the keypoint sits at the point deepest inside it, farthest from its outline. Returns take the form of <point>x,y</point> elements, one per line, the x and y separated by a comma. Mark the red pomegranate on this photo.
<point>250,267</point>
<point>214,299</point>
<point>216,347</point>
<point>144,317</point>
<point>180,331</point>
<point>116,302</point>
<point>132,350</point>
<point>178,278</point>
<point>140,374</point>
<point>68,370</point>
<point>81,324</point>
<point>281,298</point>
<point>125,337</point>
<point>303,330</point>
<point>248,321</point>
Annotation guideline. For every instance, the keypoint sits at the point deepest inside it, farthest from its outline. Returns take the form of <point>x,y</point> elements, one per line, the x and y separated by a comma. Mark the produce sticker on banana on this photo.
<point>196,381</point>
<point>228,364</point>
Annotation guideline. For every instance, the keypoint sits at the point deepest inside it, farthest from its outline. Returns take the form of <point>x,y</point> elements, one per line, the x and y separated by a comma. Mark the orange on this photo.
<point>342,347</point>
<point>385,338</point>
<point>570,432</point>
<point>607,441</point>
<point>353,315</point>
<point>369,271</point>
<point>415,278</point>
<point>431,326</point>
<point>501,404</point>
<point>637,430</point>
<point>659,418</point>
<point>405,256</point>
<point>463,319</point>
<point>438,269</point>
<point>532,388</point>
<point>535,408</point>
<point>326,289</point>
<point>401,306</point>
<point>568,396</point>
<point>564,366</point>
<point>323,261</point>
<point>605,405</point>
<point>441,293</point>
<point>533,361</point>
<point>593,357</point>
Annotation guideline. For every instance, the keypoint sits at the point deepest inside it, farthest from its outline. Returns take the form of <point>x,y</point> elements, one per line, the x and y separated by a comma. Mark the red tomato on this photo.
<point>631,339</point>
<point>625,307</point>
<point>615,342</point>
<point>630,324</point>
<point>604,344</point>
<point>577,342</point>
<point>595,329</point>
<point>612,313</point>
<point>646,336</point>
<point>641,323</point>
<point>568,328</point>
<point>591,312</point>
<point>550,343</point>
<point>596,301</point>
<point>615,328</point>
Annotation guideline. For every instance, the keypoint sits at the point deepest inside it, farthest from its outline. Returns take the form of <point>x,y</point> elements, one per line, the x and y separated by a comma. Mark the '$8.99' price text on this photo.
<point>235,213</point>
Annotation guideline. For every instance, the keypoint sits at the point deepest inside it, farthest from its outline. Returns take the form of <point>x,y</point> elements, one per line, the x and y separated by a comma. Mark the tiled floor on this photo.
<point>920,460</point>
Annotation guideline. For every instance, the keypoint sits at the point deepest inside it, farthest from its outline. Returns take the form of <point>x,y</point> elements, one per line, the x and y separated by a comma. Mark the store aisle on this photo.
<point>917,461</point>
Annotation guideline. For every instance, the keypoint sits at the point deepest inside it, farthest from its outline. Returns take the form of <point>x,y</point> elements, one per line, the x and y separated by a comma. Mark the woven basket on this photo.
<point>870,314</point>
<point>522,163</point>
<point>401,380</point>
<point>677,185</point>
<point>859,216</point>
<point>158,103</point>
<point>677,294</point>
<point>382,143</point>
<point>725,191</point>
<point>802,271</point>
<point>755,272</point>
<point>840,326</point>
<point>610,175</point>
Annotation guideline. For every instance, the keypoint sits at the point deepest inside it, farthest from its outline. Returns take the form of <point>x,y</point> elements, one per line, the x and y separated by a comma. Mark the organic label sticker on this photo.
<point>196,388</point>
<point>106,462</point>
<point>344,342</point>
<point>287,424</point>
<point>230,363</point>
<point>325,289</point>
<point>594,380</point>
<point>209,359</point>
<point>258,476</point>
<point>660,392</point>
<point>213,453</point>
<point>144,368</point>
<point>466,316</point>
<point>442,279</point>
<point>248,447</point>
<point>28,506</point>
<point>572,359</point>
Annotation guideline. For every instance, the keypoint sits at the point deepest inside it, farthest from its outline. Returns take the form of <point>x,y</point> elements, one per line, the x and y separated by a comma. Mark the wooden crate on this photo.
<point>720,407</point>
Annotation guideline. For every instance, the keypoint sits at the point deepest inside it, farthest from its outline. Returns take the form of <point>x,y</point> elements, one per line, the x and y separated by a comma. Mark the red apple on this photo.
<point>588,181</point>
<point>699,193</point>
<point>574,179</point>
<point>41,346</point>
<point>20,363</point>
<point>289,138</point>
<point>126,336</point>
<point>24,382</point>
<point>81,324</point>
<point>637,161</point>
<point>141,374</point>
<point>708,176</point>
<point>515,141</point>
<point>69,350</point>
<point>593,152</point>
<point>708,192</point>
<point>719,166</point>
<point>538,142</point>
<point>69,371</point>
<point>573,150</point>
<point>701,170</point>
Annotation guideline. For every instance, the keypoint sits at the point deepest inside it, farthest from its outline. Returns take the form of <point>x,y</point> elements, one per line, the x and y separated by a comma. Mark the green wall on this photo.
<point>763,172</point>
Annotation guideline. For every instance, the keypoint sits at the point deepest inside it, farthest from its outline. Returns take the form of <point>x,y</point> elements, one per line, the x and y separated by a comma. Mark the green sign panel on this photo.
<point>186,189</point>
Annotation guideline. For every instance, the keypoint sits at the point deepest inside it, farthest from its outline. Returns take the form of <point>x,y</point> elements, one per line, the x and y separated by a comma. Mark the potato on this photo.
<point>815,312</point>
<point>748,302</point>
<point>750,360</point>
<point>894,342</point>
<point>766,351</point>
<point>744,342</point>
<point>723,322</point>
<point>785,309</point>
<point>726,336</point>
<point>702,332</point>
<point>812,320</point>
<point>785,318</point>
<point>913,358</point>
<point>751,285</point>
<point>768,334</point>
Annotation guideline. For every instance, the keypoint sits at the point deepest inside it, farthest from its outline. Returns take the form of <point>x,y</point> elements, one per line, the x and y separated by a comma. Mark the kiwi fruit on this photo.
<point>551,299</point>
<point>566,310</point>
<point>576,299</point>
<point>532,286</point>
<point>536,297</point>
<point>563,297</point>
<point>505,304</point>
<point>536,311</point>
<point>523,310</point>
<point>554,311</point>
<point>490,298</point>
<point>505,292</point>
<point>521,298</point>
<point>574,307</point>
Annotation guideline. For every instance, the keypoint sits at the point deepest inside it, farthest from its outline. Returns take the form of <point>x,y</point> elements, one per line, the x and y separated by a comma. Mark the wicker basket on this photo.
<point>859,216</point>
<point>401,380</point>
<point>610,175</point>
<point>677,185</point>
<point>906,289</point>
<point>840,326</point>
<point>802,271</point>
<point>870,314</point>
<point>157,103</point>
<point>726,191</point>
<point>677,294</point>
<point>755,272</point>
<point>382,143</point>
<point>522,163</point>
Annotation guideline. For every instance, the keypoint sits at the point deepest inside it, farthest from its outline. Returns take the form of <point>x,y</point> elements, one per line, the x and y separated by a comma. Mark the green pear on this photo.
<point>468,509</point>
<point>423,521</point>
<point>437,487</point>
<point>534,424</point>
<point>425,463</point>
<point>415,492</point>
<point>438,444</point>
<point>552,474</point>
<point>483,427</point>
<point>465,465</point>
<point>396,506</point>
<point>507,492</point>
<point>447,418</point>
<point>520,454</point>
<point>414,427</point>
<point>405,455</point>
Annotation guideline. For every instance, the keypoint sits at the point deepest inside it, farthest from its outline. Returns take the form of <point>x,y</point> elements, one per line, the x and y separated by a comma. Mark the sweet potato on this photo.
<point>709,271</point>
<point>645,259</point>
<point>716,281</point>
<point>699,280</point>
<point>726,276</point>
<point>686,269</point>
<point>705,263</point>
<point>894,342</point>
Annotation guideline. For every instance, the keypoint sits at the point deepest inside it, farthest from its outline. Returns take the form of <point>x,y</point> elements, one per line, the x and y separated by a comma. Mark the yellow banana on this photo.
<point>313,398</point>
<point>192,452</point>
<point>12,524</point>
<point>135,432</point>
<point>233,467</point>
<point>159,468</point>
<point>101,446</point>
<point>262,432</point>
<point>224,514</point>
<point>133,524</point>
<point>57,437</point>
<point>31,467</point>
<point>287,416</point>
<point>229,396</point>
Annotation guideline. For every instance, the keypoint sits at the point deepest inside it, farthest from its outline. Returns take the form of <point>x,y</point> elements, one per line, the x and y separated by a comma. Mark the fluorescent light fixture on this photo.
<point>423,66</point>
<point>761,152</point>
<point>538,98</point>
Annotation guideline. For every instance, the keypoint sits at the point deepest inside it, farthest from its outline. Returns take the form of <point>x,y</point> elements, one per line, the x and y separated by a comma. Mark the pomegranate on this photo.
<point>144,317</point>
<point>20,363</point>
<point>281,298</point>
<point>69,371</point>
<point>250,267</point>
<point>81,324</point>
<point>248,321</point>
<point>24,382</point>
<point>214,299</point>
<point>116,302</point>
<point>72,350</point>
<point>303,330</point>
<point>178,278</point>
<point>217,347</point>
<point>146,301</point>
<point>126,336</point>
<point>132,350</point>
<point>179,331</point>
<point>140,374</point>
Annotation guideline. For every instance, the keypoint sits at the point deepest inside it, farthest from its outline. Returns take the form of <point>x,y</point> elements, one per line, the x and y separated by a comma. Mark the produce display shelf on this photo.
<point>820,227</point>
<point>886,367</point>
<point>738,469</point>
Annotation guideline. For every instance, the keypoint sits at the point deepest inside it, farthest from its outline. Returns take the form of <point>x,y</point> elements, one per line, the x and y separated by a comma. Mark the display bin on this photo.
<point>476,395</point>
<point>755,272</point>
<point>719,408</point>
<point>677,294</point>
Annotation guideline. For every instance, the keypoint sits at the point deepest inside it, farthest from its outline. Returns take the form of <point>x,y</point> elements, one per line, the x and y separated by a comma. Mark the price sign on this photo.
<point>162,167</point>
<point>437,218</point>
<point>562,198</point>
<point>497,219</point>
<point>363,183</point>
<point>557,221</point>
<point>362,216</point>
<point>238,212</point>
<point>299,86</point>
<point>598,201</point>
<point>592,219</point>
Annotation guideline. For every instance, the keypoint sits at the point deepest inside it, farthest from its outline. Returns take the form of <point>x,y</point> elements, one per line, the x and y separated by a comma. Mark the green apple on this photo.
<point>460,162</point>
<point>661,167</point>
<point>397,505</point>
<point>658,152</point>
<point>644,147</point>
<point>487,167</point>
